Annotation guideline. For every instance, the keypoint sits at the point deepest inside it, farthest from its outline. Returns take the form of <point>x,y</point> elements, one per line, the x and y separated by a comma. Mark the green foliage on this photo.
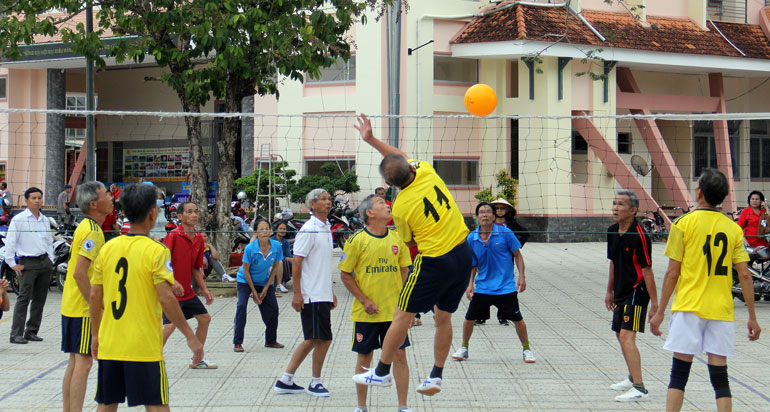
<point>331,180</point>
<point>249,184</point>
<point>508,188</point>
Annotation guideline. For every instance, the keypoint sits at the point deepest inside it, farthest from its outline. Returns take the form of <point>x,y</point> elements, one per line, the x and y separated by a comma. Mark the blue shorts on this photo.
<point>143,383</point>
<point>76,335</point>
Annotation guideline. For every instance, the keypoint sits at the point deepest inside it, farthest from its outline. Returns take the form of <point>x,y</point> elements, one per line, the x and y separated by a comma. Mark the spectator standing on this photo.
<point>288,257</point>
<point>186,248</point>
<point>505,215</point>
<point>702,247</point>
<point>63,206</point>
<point>115,190</point>
<point>96,202</point>
<point>5,194</point>
<point>313,295</point>
<point>5,304</point>
<point>261,265</point>
<point>754,220</point>
<point>374,268</point>
<point>381,193</point>
<point>110,226</point>
<point>29,252</point>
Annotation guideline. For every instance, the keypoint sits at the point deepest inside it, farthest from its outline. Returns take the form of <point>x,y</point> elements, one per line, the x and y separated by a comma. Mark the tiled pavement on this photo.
<point>577,356</point>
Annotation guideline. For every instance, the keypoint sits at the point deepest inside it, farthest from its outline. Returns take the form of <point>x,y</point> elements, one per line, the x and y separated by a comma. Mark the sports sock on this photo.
<point>525,345</point>
<point>465,345</point>
<point>436,372</point>
<point>315,381</point>
<point>287,378</point>
<point>640,387</point>
<point>382,369</point>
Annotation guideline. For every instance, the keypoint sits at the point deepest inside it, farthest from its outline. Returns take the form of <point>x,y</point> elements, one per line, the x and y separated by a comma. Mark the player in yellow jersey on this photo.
<point>374,266</point>
<point>702,247</point>
<point>132,281</point>
<point>75,325</point>
<point>425,214</point>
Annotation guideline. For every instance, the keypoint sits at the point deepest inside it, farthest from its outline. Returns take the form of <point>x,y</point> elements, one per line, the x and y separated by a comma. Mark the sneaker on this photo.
<point>529,356</point>
<point>281,387</point>
<point>633,395</point>
<point>358,409</point>
<point>430,386</point>
<point>405,410</point>
<point>461,354</point>
<point>479,322</point>
<point>227,278</point>
<point>370,378</point>
<point>318,390</point>
<point>622,386</point>
<point>504,322</point>
<point>281,288</point>
<point>204,364</point>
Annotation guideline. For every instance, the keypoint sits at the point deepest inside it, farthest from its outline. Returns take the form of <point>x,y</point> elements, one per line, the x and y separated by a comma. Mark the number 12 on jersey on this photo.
<point>720,269</point>
<point>441,199</point>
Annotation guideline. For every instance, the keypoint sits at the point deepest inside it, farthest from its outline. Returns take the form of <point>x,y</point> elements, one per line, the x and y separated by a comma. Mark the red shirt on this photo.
<point>749,221</point>
<point>186,254</point>
<point>110,220</point>
<point>116,194</point>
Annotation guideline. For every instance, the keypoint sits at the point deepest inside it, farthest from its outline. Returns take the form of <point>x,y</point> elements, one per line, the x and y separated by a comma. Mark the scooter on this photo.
<point>759,268</point>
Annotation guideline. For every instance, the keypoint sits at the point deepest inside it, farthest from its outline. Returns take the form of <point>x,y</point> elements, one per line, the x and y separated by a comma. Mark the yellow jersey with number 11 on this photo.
<point>128,268</point>
<point>707,243</point>
<point>426,212</point>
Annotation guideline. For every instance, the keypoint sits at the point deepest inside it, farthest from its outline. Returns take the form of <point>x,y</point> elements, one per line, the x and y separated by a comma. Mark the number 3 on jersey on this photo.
<point>441,199</point>
<point>119,309</point>
<point>720,269</point>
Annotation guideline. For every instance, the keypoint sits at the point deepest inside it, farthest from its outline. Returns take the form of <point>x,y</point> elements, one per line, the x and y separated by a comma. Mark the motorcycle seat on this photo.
<point>759,253</point>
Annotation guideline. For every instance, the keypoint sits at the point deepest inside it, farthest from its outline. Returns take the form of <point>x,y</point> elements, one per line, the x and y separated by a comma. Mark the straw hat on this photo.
<point>501,201</point>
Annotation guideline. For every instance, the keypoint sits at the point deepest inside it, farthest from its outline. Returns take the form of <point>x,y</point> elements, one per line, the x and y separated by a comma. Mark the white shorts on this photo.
<point>692,335</point>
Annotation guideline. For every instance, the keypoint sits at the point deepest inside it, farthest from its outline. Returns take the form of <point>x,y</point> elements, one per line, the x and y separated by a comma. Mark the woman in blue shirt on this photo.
<point>288,256</point>
<point>262,263</point>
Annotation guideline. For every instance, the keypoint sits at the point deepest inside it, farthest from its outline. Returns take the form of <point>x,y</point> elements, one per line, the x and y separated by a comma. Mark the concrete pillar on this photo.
<point>247,137</point>
<point>54,135</point>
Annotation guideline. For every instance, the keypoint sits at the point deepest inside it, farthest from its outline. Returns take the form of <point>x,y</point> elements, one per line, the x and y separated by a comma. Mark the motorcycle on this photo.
<point>61,251</point>
<point>344,221</point>
<point>654,226</point>
<point>759,268</point>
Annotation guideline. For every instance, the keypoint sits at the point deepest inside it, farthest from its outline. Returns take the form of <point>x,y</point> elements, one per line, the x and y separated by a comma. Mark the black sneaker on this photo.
<point>480,322</point>
<point>504,322</point>
<point>318,390</point>
<point>281,387</point>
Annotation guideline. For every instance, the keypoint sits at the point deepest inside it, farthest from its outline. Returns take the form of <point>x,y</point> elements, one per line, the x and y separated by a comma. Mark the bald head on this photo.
<point>395,170</point>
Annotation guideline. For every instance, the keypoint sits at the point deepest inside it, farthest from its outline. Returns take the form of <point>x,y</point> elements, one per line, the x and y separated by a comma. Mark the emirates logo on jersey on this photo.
<point>395,249</point>
<point>359,337</point>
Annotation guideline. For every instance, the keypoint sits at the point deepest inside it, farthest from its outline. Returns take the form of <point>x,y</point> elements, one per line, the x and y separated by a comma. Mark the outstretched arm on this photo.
<point>365,128</point>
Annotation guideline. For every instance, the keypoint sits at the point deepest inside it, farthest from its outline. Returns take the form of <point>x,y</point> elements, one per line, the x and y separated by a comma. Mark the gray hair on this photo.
<point>88,192</point>
<point>633,199</point>
<point>366,204</point>
<point>313,195</point>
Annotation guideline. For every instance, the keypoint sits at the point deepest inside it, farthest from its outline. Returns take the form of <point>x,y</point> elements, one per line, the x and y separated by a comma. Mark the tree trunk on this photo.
<point>198,188</point>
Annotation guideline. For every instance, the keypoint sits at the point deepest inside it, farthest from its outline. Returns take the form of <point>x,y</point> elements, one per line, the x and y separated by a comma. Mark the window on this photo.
<point>2,172</point>
<point>3,87</point>
<point>455,70</point>
<point>76,102</point>
<point>624,143</point>
<point>759,149</point>
<point>579,145</point>
<point>512,89</point>
<point>704,148</point>
<point>514,172</point>
<point>458,172</point>
<point>340,71</point>
<point>313,167</point>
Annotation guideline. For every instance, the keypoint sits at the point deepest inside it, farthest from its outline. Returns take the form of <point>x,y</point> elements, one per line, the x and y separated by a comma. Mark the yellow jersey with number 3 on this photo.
<point>707,243</point>
<point>128,268</point>
<point>426,212</point>
<point>87,240</point>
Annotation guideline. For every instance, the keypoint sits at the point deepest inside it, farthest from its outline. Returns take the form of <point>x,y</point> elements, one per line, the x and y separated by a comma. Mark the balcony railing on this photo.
<point>728,10</point>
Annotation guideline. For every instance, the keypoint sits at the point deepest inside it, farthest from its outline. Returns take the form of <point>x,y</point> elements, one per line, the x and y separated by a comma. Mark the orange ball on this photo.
<point>480,100</point>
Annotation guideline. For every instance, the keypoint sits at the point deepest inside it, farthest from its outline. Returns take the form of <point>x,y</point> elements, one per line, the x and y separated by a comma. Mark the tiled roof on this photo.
<point>620,29</point>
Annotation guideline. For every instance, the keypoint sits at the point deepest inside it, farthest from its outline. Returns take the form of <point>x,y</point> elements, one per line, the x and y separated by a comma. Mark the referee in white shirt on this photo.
<point>29,245</point>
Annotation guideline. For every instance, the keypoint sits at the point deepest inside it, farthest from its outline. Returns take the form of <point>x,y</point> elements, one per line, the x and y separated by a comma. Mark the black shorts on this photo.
<point>629,316</point>
<point>143,383</point>
<point>507,306</point>
<point>76,335</point>
<point>190,308</point>
<point>317,320</point>
<point>439,281</point>
<point>368,336</point>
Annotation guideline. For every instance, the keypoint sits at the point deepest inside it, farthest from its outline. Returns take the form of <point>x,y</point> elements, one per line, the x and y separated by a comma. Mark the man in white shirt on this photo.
<point>313,295</point>
<point>29,252</point>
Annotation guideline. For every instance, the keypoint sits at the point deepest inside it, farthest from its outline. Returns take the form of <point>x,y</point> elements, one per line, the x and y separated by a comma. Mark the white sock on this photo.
<point>315,381</point>
<point>287,378</point>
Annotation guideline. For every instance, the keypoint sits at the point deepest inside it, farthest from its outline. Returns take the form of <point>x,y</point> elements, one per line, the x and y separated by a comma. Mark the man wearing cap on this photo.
<point>505,215</point>
<point>63,206</point>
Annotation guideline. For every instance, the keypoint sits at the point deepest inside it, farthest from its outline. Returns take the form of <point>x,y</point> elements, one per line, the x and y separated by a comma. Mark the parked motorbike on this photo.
<point>344,221</point>
<point>759,268</point>
<point>654,225</point>
<point>61,250</point>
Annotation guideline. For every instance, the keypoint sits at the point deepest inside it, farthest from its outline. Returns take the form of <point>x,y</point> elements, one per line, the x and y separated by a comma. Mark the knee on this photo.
<point>400,358</point>
<point>204,319</point>
<point>680,373</point>
<point>720,381</point>
<point>84,362</point>
<point>627,338</point>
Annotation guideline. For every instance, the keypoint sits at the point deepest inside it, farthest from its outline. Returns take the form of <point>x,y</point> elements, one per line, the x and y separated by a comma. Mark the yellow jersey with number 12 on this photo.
<point>426,212</point>
<point>707,243</point>
<point>87,241</point>
<point>128,268</point>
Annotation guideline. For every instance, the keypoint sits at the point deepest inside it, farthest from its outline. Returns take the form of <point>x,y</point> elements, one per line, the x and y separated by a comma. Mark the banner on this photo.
<point>164,164</point>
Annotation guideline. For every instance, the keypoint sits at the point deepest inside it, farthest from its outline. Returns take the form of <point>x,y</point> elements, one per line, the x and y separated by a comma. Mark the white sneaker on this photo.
<point>358,409</point>
<point>227,278</point>
<point>370,378</point>
<point>430,386</point>
<point>281,288</point>
<point>204,364</point>
<point>461,354</point>
<point>622,386</point>
<point>529,356</point>
<point>633,395</point>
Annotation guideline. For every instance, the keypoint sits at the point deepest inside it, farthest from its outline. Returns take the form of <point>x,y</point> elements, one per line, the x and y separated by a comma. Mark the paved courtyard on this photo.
<point>577,355</point>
